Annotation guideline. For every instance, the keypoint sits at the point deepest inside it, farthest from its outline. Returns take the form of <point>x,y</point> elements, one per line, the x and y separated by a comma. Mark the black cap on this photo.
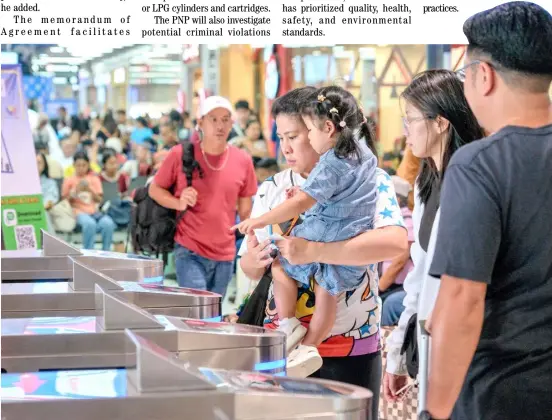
<point>514,35</point>
<point>242,104</point>
<point>266,163</point>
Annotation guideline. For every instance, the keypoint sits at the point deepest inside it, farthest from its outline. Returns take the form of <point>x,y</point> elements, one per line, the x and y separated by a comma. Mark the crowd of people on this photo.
<point>448,231</point>
<point>90,166</point>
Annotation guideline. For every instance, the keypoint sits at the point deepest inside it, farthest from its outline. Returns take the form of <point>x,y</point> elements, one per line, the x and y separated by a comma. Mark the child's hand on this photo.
<point>290,192</point>
<point>249,225</point>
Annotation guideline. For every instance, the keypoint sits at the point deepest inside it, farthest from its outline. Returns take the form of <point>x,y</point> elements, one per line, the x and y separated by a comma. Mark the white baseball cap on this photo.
<point>214,102</point>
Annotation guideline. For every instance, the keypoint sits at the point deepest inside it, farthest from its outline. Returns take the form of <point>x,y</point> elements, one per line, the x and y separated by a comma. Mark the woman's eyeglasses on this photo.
<point>406,122</point>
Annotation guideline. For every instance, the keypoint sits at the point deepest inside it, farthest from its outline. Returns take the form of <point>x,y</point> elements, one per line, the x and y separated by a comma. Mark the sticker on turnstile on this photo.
<point>90,384</point>
<point>64,384</point>
<point>169,326</point>
<point>130,286</point>
<point>223,327</point>
<point>119,255</point>
<point>45,287</point>
<point>269,383</point>
<point>61,325</point>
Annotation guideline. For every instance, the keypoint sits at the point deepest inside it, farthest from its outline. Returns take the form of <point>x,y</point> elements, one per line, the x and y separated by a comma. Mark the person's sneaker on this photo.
<point>303,362</point>
<point>294,331</point>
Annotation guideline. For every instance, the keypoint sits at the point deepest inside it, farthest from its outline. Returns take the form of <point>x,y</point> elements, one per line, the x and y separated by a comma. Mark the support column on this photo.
<point>186,86</point>
<point>447,57</point>
<point>236,70</point>
<point>210,68</point>
<point>83,92</point>
<point>435,56</point>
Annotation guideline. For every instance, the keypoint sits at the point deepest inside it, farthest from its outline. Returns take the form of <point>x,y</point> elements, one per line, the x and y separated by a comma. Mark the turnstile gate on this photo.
<point>55,262</point>
<point>157,385</point>
<point>35,344</point>
<point>77,298</point>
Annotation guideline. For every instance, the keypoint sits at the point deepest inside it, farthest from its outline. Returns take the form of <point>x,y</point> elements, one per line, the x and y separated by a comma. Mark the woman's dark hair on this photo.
<point>107,154</point>
<point>292,102</point>
<point>339,106</point>
<point>440,93</point>
<point>251,121</point>
<point>46,171</point>
<point>151,144</point>
<point>110,124</point>
<point>81,155</point>
<point>142,121</point>
<point>175,117</point>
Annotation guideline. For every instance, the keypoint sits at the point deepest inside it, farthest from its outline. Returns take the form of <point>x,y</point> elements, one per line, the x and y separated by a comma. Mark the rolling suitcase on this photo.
<point>406,409</point>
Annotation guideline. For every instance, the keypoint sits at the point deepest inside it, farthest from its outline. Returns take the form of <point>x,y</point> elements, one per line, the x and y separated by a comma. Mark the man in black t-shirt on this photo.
<point>491,349</point>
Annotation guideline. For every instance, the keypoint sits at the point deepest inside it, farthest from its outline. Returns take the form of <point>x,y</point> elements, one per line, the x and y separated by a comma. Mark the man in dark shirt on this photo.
<point>491,350</point>
<point>243,113</point>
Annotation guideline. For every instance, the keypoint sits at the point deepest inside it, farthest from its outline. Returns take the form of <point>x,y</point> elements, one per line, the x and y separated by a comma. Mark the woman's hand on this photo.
<point>82,187</point>
<point>290,192</point>
<point>249,225</point>
<point>259,253</point>
<point>394,387</point>
<point>297,250</point>
<point>429,322</point>
<point>232,318</point>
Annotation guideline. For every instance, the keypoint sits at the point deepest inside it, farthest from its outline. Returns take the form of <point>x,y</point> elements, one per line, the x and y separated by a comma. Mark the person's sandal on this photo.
<point>303,362</point>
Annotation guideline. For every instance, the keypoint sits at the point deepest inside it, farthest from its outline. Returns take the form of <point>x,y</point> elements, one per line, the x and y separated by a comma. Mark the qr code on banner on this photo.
<point>25,237</point>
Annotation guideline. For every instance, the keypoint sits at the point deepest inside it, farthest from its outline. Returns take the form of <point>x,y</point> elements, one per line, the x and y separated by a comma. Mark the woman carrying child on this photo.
<point>339,198</point>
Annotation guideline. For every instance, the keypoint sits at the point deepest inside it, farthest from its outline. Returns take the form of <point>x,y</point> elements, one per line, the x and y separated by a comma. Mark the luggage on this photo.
<point>423,374</point>
<point>402,410</point>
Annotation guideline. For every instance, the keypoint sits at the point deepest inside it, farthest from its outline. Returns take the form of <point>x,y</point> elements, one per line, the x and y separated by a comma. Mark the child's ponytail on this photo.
<point>341,108</point>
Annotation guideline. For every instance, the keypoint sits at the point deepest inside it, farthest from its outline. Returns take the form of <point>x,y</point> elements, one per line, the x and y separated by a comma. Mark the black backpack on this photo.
<point>410,346</point>
<point>152,226</point>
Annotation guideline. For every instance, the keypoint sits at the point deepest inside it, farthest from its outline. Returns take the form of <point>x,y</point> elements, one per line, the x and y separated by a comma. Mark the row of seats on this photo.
<point>110,192</point>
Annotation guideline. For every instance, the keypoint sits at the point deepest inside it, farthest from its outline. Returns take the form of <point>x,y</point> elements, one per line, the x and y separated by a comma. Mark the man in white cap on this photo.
<point>204,245</point>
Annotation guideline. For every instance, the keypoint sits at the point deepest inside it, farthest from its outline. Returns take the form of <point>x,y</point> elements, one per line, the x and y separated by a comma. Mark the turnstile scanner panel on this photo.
<point>34,344</point>
<point>77,298</point>
<point>55,262</point>
<point>156,384</point>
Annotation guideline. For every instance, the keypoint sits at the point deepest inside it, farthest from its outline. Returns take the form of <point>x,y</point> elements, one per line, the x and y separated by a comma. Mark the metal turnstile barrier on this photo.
<point>55,263</point>
<point>77,297</point>
<point>34,344</point>
<point>157,385</point>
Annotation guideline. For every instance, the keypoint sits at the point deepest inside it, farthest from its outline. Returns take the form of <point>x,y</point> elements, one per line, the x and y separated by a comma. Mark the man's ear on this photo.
<point>486,77</point>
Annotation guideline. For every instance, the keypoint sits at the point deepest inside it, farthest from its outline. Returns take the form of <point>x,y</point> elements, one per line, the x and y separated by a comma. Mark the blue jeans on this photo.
<point>96,223</point>
<point>392,308</point>
<point>197,272</point>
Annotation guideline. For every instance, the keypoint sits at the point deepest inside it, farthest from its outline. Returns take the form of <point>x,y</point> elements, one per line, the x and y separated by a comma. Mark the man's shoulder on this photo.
<point>470,155</point>
<point>499,146</point>
<point>177,150</point>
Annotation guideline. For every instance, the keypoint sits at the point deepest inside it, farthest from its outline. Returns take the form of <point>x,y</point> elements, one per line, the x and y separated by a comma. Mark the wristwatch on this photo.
<point>425,415</point>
